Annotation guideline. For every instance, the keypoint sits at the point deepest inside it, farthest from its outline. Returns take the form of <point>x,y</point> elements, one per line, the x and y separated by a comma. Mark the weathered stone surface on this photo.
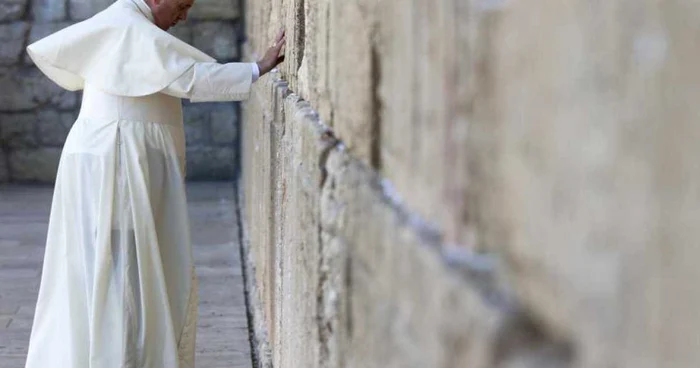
<point>216,40</point>
<point>24,89</point>
<point>12,10</point>
<point>81,9</point>
<point>17,131</point>
<point>34,165</point>
<point>397,91</point>
<point>211,163</point>
<point>346,276</point>
<point>215,10</point>
<point>224,123</point>
<point>197,118</point>
<point>4,173</point>
<point>592,174</point>
<point>183,31</point>
<point>258,198</point>
<point>207,123</point>
<point>53,127</point>
<point>314,66</point>
<point>407,310</point>
<point>12,38</point>
<point>14,95</point>
<point>49,10</point>
<point>353,65</point>
<point>556,134</point>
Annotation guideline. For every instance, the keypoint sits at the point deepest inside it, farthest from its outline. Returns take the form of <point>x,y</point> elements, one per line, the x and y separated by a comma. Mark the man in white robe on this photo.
<point>118,288</point>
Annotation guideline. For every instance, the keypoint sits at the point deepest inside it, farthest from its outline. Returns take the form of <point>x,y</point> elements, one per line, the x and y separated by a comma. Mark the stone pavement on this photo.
<point>222,336</point>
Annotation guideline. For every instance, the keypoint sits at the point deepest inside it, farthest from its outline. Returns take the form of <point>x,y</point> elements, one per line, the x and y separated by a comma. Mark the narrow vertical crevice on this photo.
<point>237,187</point>
<point>255,359</point>
<point>300,36</point>
<point>243,22</point>
<point>5,151</point>
<point>376,103</point>
<point>67,7</point>
<point>348,296</point>
<point>28,17</point>
<point>237,145</point>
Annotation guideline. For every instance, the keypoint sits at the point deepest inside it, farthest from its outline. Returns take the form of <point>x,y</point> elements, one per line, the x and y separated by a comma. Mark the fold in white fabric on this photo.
<point>212,82</point>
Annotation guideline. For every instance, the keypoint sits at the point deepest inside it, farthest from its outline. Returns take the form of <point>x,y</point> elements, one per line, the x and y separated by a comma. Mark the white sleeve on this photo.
<point>210,82</point>
<point>256,71</point>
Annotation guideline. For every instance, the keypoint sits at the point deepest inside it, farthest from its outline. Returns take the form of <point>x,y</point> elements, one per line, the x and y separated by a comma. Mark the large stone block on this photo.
<point>12,10</point>
<point>215,10</point>
<point>197,118</point>
<point>353,66</point>
<point>34,165</point>
<point>53,127</point>
<point>581,139</point>
<point>49,10</point>
<point>256,168</point>
<point>12,37</point>
<point>217,39</point>
<point>224,123</point>
<point>347,276</point>
<point>406,307</point>
<point>83,9</point>
<point>283,178</point>
<point>313,71</point>
<point>210,123</point>
<point>559,135</point>
<point>24,89</point>
<point>182,31</point>
<point>210,163</point>
<point>4,173</point>
<point>17,131</point>
<point>300,144</point>
<point>428,55</point>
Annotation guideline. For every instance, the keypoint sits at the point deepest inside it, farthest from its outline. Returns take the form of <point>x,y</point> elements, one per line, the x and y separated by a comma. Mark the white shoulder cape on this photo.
<point>118,51</point>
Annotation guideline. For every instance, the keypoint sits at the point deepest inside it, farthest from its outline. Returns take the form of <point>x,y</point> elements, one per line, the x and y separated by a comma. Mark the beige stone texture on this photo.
<point>215,10</point>
<point>556,137</point>
<point>344,275</point>
<point>405,73</point>
<point>589,186</point>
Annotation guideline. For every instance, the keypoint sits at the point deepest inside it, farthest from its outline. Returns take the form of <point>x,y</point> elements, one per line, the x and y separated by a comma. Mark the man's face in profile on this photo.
<point>168,13</point>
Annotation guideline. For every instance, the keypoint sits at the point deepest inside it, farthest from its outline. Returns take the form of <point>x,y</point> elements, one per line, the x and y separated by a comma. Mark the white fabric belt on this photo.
<point>157,108</point>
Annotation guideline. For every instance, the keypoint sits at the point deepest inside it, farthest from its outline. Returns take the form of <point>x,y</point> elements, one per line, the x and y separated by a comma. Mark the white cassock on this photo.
<point>118,288</point>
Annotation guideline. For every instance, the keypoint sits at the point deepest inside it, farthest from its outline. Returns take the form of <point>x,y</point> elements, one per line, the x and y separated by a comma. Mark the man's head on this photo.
<point>167,13</point>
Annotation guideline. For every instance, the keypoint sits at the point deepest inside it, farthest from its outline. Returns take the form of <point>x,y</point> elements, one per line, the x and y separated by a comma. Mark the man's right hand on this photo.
<point>272,56</point>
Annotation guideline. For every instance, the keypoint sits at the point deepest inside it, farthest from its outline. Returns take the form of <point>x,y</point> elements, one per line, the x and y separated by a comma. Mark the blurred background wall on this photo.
<point>475,183</point>
<point>36,115</point>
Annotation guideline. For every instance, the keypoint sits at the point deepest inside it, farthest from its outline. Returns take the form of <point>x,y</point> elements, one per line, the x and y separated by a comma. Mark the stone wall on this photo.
<point>474,183</point>
<point>36,114</point>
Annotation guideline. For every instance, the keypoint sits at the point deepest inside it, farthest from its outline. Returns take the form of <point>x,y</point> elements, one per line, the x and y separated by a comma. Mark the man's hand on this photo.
<point>272,56</point>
